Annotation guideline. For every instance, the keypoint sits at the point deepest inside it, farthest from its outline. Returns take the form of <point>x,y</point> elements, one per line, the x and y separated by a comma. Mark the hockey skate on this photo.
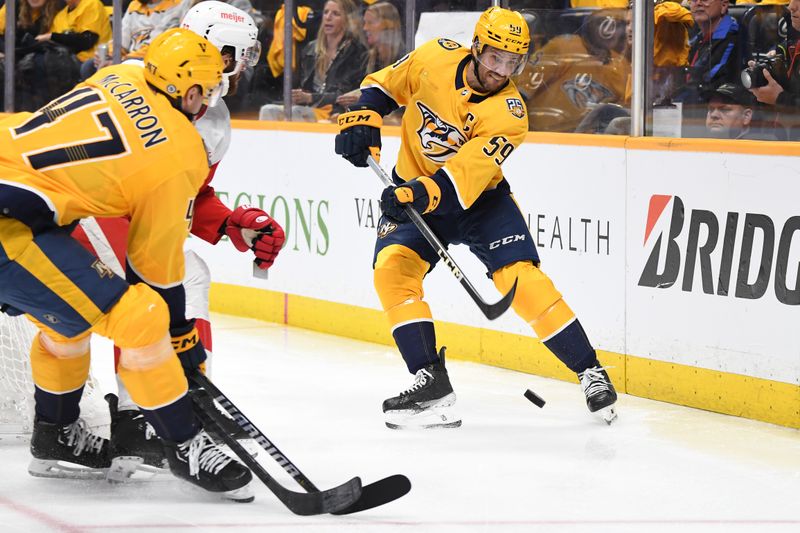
<point>427,404</point>
<point>201,462</point>
<point>134,445</point>
<point>67,451</point>
<point>600,394</point>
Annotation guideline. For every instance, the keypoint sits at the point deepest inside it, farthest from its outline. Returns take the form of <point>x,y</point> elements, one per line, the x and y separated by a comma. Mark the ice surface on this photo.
<point>511,467</point>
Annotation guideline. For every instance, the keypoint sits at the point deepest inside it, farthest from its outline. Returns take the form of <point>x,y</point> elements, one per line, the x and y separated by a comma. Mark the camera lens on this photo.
<point>747,82</point>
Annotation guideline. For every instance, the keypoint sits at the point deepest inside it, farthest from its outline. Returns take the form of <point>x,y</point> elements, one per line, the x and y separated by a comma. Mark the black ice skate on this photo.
<point>201,462</point>
<point>600,393</point>
<point>67,451</point>
<point>428,403</point>
<point>134,445</point>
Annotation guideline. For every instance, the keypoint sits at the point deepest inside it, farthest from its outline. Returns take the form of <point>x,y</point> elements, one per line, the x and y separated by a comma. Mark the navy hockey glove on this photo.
<point>359,135</point>
<point>423,194</point>
<point>186,343</point>
<point>251,228</point>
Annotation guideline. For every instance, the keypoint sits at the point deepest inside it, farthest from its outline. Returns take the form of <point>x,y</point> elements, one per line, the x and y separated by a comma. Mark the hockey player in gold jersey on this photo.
<point>463,118</point>
<point>120,144</point>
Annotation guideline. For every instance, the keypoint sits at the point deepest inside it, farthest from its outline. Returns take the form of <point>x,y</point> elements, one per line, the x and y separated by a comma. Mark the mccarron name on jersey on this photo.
<point>133,103</point>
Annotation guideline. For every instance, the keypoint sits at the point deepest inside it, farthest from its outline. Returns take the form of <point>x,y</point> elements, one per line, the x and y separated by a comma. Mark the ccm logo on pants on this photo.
<point>506,240</point>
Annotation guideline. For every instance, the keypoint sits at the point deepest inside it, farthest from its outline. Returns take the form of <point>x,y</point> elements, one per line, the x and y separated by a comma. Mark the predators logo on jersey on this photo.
<point>515,107</point>
<point>438,139</point>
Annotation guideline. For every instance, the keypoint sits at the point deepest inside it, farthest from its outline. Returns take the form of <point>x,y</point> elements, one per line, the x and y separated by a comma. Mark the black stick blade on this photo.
<point>304,504</point>
<point>375,494</point>
<point>492,311</point>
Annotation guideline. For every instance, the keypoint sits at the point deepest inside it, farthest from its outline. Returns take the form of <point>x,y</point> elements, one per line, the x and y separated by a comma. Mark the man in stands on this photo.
<point>731,114</point>
<point>714,59</point>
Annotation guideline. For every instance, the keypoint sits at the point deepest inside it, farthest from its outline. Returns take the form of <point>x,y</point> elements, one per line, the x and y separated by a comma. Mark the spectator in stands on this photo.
<point>331,65</point>
<point>714,59</point>
<point>44,68</point>
<point>573,74</point>
<point>384,43</point>
<point>80,26</point>
<point>143,21</point>
<point>34,17</point>
<point>670,52</point>
<point>784,91</point>
<point>730,114</point>
<point>781,91</point>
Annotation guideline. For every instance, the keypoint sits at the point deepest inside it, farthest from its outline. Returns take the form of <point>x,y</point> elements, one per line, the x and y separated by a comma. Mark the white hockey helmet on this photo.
<point>226,26</point>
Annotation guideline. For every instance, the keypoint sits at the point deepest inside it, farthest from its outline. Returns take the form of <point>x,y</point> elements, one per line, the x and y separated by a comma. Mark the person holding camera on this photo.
<point>774,80</point>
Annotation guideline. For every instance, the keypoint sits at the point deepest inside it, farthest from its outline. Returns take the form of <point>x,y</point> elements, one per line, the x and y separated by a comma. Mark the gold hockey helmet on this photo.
<point>179,59</point>
<point>503,29</point>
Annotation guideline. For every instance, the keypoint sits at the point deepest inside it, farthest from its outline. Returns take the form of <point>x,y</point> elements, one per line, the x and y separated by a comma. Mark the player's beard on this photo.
<point>484,80</point>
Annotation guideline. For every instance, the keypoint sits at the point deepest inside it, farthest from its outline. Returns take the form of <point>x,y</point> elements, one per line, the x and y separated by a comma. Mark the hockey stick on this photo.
<point>491,311</point>
<point>383,491</point>
<point>303,504</point>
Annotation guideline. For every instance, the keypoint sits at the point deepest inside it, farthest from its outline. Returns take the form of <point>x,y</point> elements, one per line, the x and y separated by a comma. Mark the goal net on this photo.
<point>16,382</point>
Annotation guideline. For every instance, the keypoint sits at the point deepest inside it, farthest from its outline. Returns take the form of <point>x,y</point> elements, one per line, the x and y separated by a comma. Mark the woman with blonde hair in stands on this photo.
<point>384,43</point>
<point>384,38</point>
<point>331,65</point>
<point>34,17</point>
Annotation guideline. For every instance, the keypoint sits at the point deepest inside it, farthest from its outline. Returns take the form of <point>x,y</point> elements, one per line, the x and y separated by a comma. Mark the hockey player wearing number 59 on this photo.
<point>120,144</point>
<point>463,118</point>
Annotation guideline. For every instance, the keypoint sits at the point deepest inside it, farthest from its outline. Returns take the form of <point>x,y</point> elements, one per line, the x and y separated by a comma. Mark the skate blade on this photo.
<point>131,468</point>
<point>440,417</point>
<point>608,414</point>
<point>240,495</point>
<point>50,468</point>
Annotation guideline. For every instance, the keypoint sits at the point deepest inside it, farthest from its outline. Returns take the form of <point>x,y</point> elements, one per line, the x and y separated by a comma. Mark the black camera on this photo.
<point>753,77</point>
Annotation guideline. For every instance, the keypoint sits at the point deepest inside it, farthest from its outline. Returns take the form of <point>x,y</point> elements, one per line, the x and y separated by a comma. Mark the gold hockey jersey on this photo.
<point>447,125</point>
<point>112,147</point>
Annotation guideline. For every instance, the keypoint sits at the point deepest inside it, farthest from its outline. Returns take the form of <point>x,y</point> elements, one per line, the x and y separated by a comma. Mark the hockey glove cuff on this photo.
<point>360,135</point>
<point>423,194</point>
<point>250,228</point>
<point>186,343</point>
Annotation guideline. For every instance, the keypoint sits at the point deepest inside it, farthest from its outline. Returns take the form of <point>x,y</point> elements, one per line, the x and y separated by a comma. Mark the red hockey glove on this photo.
<point>250,228</point>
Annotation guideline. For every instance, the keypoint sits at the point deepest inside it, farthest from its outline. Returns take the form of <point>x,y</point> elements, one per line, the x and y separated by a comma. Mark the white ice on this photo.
<point>512,467</point>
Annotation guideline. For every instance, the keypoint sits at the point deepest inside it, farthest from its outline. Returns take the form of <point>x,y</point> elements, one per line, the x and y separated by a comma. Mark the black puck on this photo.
<point>534,398</point>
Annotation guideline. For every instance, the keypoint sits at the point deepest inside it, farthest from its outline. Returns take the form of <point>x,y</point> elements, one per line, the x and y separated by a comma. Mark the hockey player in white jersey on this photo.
<point>234,33</point>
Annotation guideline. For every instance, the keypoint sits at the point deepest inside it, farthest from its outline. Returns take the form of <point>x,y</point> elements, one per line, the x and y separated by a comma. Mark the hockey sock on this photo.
<point>60,409</point>
<point>417,343</point>
<point>572,347</point>
<point>174,422</point>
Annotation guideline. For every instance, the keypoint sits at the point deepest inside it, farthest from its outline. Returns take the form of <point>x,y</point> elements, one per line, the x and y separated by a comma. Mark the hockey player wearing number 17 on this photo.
<point>463,118</point>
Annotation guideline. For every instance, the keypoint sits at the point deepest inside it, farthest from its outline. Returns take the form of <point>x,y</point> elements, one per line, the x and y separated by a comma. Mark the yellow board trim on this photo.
<point>721,392</point>
<point>573,139</point>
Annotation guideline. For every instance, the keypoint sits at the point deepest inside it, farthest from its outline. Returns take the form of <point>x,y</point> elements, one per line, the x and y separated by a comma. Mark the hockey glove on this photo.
<point>360,135</point>
<point>186,343</point>
<point>250,228</point>
<point>423,194</point>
